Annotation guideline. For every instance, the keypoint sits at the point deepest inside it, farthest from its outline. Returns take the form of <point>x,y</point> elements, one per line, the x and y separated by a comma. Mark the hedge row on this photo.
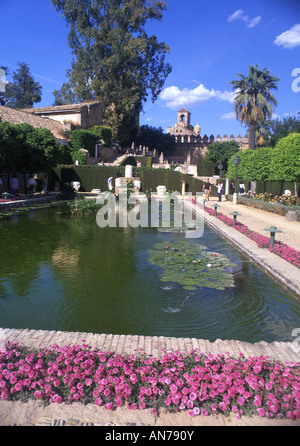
<point>95,177</point>
<point>87,139</point>
<point>205,168</point>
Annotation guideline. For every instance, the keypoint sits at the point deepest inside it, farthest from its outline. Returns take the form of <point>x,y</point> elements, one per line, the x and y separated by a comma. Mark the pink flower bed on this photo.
<point>281,249</point>
<point>199,383</point>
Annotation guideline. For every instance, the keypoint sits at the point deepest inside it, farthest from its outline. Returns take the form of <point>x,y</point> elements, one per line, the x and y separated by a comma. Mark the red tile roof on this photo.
<point>17,116</point>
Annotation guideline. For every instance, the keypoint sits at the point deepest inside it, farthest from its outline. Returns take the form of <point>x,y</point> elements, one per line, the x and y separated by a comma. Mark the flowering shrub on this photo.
<point>201,384</point>
<point>281,249</point>
<point>287,200</point>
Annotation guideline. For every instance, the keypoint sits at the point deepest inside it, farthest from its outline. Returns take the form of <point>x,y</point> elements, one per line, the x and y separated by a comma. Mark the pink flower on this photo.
<point>257,368</point>
<point>118,401</point>
<point>261,412</point>
<point>193,396</point>
<point>57,398</point>
<point>269,385</point>
<point>37,394</point>
<point>4,395</point>
<point>108,406</point>
<point>106,392</point>
<point>257,400</point>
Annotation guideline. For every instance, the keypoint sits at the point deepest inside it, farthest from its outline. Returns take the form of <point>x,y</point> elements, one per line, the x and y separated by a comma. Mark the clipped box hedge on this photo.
<point>205,168</point>
<point>95,177</point>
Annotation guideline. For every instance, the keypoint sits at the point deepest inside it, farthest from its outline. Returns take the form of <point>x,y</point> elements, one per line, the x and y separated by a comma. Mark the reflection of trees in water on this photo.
<point>50,237</point>
<point>93,267</point>
<point>26,242</point>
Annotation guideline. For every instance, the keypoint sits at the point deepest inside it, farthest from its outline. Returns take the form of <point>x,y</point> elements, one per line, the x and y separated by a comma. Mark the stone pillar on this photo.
<point>227,187</point>
<point>183,188</point>
<point>128,171</point>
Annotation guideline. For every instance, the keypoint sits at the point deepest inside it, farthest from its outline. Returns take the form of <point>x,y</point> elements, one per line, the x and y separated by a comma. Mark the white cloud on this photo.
<point>229,116</point>
<point>237,15</point>
<point>290,38</point>
<point>176,98</point>
<point>240,15</point>
<point>275,116</point>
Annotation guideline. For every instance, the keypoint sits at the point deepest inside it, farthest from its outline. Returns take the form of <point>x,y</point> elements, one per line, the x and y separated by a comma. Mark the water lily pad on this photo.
<point>192,265</point>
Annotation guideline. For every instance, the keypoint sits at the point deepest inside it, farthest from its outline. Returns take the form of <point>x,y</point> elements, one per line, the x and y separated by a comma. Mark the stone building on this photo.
<point>84,116</point>
<point>189,142</point>
<point>16,116</point>
<point>58,119</point>
<point>183,125</point>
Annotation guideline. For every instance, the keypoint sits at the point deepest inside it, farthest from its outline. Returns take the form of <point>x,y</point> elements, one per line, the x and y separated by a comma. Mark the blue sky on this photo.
<point>210,43</point>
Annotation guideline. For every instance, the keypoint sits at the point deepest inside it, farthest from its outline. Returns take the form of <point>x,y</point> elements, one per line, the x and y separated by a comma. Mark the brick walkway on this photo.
<point>154,346</point>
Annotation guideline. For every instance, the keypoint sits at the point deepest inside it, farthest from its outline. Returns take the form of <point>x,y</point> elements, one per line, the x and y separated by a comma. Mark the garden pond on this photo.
<point>68,274</point>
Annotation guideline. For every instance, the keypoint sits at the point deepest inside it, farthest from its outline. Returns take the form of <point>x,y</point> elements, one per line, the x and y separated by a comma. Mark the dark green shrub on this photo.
<point>205,168</point>
<point>102,132</point>
<point>83,139</point>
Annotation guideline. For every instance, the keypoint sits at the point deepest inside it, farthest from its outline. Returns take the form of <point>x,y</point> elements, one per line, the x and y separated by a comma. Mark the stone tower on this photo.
<point>184,117</point>
<point>183,125</point>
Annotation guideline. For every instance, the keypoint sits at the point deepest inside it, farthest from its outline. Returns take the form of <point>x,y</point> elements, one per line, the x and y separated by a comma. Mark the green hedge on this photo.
<point>205,168</point>
<point>95,177</point>
<point>146,161</point>
<point>277,187</point>
<point>84,139</point>
<point>90,177</point>
<point>102,132</point>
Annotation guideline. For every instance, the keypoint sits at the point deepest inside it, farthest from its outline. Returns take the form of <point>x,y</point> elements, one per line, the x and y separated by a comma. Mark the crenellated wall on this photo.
<point>190,144</point>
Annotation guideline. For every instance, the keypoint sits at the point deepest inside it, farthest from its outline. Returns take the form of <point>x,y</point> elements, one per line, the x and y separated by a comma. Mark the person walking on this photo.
<point>14,184</point>
<point>109,183</point>
<point>207,189</point>
<point>232,188</point>
<point>220,190</point>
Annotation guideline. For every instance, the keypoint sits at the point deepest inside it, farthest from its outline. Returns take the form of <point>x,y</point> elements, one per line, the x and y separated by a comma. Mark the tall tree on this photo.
<point>254,101</point>
<point>281,129</point>
<point>221,152</point>
<point>24,91</point>
<point>115,60</point>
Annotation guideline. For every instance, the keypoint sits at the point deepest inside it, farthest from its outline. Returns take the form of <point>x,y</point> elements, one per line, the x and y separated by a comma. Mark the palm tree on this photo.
<point>254,100</point>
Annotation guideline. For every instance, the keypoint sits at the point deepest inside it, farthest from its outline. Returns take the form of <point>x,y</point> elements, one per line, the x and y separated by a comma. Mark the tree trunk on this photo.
<point>252,136</point>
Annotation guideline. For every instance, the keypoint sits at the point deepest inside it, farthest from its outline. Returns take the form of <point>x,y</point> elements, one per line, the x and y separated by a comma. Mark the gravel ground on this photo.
<point>34,413</point>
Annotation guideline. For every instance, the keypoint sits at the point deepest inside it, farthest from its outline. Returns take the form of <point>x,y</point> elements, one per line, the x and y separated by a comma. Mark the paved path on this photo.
<point>256,220</point>
<point>151,345</point>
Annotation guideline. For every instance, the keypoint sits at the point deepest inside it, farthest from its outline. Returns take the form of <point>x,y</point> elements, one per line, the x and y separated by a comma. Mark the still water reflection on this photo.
<point>57,273</point>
